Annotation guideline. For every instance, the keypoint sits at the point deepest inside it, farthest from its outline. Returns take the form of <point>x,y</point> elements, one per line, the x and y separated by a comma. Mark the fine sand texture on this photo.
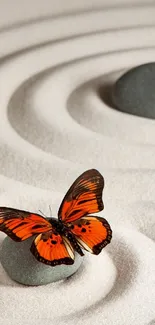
<point>58,61</point>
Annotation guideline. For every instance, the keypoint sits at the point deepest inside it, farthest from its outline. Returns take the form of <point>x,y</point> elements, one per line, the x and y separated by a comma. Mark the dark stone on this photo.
<point>134,92</point>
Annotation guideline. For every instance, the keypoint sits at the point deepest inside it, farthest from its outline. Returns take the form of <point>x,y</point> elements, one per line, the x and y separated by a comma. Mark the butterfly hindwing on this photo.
<point>92,233</point>
<point>83,197</point>
<point>52,249</point>
<point>20,225</point>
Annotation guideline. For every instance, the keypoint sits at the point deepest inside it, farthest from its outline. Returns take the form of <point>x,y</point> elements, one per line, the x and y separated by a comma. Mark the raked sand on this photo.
<point>54,58</point>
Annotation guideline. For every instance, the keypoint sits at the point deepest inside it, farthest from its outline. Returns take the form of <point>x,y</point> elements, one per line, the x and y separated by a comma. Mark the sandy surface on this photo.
<point>55,56</point>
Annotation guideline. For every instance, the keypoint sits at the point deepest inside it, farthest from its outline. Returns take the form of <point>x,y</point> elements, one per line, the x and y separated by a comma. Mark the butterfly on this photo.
<point>57,240</point>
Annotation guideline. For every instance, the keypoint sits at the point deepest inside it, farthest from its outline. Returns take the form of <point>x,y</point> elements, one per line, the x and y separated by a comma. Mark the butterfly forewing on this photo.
<point>20,225</point>
<point>83,197</point>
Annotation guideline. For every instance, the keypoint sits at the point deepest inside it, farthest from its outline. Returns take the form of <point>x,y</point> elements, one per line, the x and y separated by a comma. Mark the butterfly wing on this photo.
<point>52,249</point>
<point>83,197</point>
<point>92,233</point>
<point>20,225</point>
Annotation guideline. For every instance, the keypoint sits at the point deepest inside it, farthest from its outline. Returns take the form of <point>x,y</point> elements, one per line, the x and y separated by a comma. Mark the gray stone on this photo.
<point>134,92</point>
<point>22,267</point>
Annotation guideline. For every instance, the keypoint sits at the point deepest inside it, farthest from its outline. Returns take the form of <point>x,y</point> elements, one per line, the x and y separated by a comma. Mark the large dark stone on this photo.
<point>134,92</point>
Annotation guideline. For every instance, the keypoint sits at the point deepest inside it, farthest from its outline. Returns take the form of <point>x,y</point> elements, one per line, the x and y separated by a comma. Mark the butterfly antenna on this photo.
<point>42,213</point>
<point>50,210</point>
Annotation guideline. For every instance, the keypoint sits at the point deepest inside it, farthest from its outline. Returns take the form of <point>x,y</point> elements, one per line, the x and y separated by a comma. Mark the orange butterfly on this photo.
<point>58,239</point>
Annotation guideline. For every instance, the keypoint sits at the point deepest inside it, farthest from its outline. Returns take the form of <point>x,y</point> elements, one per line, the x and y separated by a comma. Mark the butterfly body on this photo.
<point>75,229</point>
<point>57,225</point>
<point>65,230</point>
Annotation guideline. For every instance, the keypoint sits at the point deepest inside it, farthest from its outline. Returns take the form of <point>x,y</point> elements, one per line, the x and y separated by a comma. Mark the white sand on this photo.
<point>53,126</point>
